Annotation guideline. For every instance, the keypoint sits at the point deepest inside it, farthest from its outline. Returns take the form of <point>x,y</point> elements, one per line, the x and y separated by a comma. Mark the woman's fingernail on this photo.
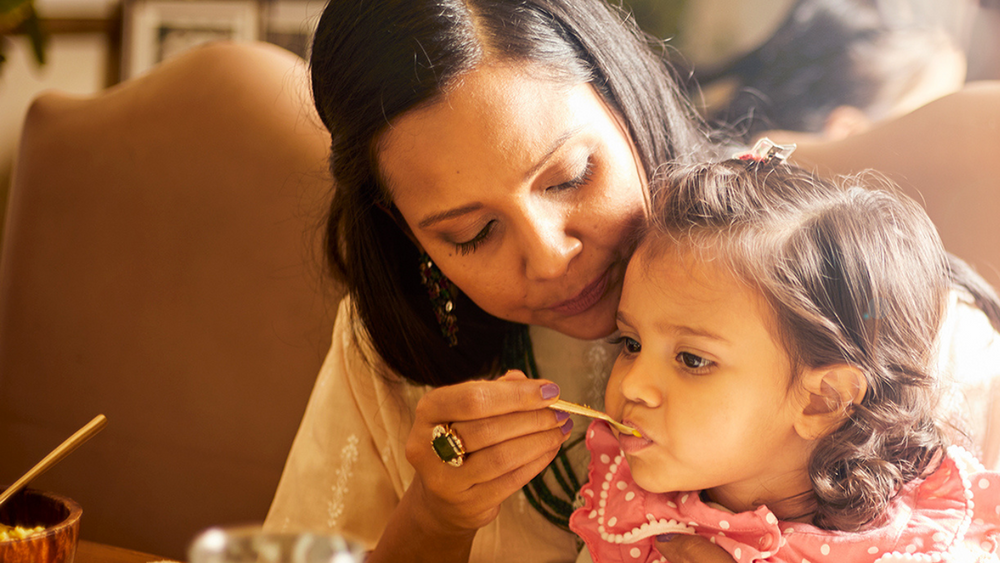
<point>550,390</point>
<point>567,427</point>
<point>663,538</point>
<point>561,416</point>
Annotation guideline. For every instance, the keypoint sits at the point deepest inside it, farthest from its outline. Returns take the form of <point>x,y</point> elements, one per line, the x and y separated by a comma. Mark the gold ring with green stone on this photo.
<point>447,446</point>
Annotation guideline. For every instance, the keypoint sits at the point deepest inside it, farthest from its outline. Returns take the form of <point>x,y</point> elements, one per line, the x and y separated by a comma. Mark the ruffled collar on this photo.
<point>619,520</point>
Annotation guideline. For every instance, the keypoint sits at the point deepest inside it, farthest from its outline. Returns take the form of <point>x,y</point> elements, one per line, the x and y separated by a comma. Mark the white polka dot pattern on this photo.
<point>759,537</point>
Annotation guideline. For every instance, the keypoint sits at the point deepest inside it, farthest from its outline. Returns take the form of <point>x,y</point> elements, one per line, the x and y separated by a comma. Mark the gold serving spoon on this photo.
<point>574,408</point>
<point>56,455</point>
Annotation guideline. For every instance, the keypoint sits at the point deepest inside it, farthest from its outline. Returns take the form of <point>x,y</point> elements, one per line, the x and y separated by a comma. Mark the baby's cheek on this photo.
<point>647,476</point>
<point>613,398</point>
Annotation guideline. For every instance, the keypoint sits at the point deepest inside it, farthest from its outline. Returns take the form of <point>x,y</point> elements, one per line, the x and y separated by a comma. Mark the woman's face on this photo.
<point>524,192</point>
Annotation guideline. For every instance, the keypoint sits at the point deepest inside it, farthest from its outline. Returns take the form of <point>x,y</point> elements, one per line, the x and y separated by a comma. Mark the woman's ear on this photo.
<point>828,394</point>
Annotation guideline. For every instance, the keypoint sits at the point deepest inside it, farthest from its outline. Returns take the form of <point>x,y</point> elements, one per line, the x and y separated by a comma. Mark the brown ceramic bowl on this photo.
<point>56,543</point>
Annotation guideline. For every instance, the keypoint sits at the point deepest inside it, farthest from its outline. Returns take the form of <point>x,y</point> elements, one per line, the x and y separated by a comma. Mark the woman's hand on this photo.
<point>683,548</point>
<point>508,436</point>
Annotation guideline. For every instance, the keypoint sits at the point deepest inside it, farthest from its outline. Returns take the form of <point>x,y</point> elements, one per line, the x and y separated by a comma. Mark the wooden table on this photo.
<point>91,552</point>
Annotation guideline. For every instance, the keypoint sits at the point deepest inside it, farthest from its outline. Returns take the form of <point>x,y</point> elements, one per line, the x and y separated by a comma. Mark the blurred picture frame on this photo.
<point>155,30</point>
<point>291,24</point>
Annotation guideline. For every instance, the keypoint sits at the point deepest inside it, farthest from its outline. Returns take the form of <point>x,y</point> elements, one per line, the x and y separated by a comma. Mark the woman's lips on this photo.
<point>586,299</point>
<point>631,444</point>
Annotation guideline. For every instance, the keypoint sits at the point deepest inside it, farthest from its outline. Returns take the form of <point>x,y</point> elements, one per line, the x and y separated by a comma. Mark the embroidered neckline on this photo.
<point>607,480</point>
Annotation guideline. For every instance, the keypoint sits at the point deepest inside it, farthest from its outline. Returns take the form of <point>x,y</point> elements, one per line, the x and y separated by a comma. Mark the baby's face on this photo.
<point>706,383</point>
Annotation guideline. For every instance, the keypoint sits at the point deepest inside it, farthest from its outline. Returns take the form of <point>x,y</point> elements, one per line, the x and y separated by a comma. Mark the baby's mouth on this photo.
<point>630,443</point>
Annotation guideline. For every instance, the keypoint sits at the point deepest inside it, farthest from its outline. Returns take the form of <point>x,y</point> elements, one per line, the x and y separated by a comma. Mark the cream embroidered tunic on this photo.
<point>347,468</point>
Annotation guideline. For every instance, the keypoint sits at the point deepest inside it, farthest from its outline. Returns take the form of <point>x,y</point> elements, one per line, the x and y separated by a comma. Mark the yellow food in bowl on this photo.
<point>17,532</point>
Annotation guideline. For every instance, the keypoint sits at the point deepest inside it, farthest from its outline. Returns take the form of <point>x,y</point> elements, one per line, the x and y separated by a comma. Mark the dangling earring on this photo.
<point>442,292</point>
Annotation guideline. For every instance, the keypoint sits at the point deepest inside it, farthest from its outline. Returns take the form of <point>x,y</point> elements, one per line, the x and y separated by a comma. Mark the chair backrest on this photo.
<point>161,265</point>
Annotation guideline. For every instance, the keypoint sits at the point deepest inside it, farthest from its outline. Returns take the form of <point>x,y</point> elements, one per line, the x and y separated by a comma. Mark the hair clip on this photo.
<point>766,150</point>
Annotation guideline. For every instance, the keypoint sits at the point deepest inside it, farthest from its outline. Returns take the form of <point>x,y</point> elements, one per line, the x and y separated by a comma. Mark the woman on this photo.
<point>510,143</point>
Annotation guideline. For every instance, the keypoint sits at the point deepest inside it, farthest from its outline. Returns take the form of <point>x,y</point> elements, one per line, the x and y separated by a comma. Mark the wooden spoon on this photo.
<point>56,455</point>
<point>574,408</point>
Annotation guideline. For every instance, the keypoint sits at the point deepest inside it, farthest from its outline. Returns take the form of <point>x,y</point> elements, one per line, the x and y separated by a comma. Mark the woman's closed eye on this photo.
<point>694,363</point>
<point>579,180</point>
<point>474,243</point>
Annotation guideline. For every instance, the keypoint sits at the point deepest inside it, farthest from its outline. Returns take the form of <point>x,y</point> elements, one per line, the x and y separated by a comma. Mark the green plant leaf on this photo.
<point>19,16</point>
<point>10,6</point>
<point>39,39</point>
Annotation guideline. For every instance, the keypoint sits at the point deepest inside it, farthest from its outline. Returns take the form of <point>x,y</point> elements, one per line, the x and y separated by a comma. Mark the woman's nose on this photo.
<point>550,247</point>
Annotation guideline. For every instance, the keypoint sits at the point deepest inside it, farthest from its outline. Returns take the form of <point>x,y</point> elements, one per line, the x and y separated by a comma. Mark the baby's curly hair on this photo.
<point>855,274</point>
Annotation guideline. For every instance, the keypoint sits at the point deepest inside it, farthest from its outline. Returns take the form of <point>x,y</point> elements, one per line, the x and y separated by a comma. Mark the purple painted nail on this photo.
<point>550,390</point>
<point>663,538</point>
<point>561,416</point>
<point>567,427</point>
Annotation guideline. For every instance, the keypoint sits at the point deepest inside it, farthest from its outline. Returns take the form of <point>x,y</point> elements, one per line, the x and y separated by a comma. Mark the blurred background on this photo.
<point>826,68</point>
<point>88,45</point>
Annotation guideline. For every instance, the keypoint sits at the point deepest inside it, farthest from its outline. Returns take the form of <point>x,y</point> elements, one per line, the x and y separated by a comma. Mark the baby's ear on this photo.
<point>828,394</point>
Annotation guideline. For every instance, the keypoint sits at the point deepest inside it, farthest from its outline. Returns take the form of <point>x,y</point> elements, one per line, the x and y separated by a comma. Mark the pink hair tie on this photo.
<point>766,151</point>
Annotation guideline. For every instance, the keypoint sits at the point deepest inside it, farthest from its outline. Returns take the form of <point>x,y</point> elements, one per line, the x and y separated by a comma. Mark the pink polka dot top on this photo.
<point>951,516</point>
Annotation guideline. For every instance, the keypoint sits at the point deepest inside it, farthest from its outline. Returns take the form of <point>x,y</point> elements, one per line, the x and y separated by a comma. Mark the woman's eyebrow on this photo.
<point>451,213</point>
<point>555,146</point>
<point>437,217</point>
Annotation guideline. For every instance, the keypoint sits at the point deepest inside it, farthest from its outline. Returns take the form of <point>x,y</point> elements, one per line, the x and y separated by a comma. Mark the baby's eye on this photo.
<point>693,362</point>
<point>629,345</point>
<point>632,345</point>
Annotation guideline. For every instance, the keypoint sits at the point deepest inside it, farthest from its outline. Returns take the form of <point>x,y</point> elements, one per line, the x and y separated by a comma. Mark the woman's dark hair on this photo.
<point>825,54</point>
<point>374,60</point>
<point>853,275</point>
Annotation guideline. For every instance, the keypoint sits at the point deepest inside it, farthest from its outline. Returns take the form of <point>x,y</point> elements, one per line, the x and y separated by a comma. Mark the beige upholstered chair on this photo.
<point>161,266</point>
